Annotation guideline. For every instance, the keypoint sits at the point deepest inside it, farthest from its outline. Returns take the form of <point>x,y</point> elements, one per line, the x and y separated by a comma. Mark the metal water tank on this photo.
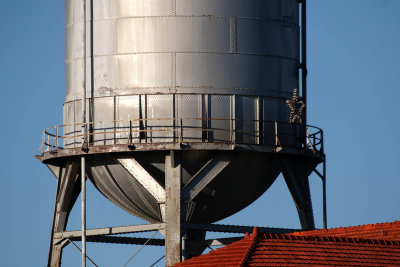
<point>214,80</point>
<point>208,72</point>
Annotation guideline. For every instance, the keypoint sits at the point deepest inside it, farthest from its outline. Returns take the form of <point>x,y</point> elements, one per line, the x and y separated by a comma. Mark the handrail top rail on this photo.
<point>96,133</point>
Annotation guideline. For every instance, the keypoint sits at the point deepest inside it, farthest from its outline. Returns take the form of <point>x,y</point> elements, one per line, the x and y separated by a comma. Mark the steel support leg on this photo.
<point>323,178</point>
<point>296,174</point>
<point>173,180</point>
<point>68,189</point>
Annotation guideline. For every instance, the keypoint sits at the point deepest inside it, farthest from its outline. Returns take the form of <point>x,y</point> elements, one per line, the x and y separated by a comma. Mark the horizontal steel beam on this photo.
<point>112,230</point>
<point>161,226</point>
<point>236,228</point>
<point>122,240</point>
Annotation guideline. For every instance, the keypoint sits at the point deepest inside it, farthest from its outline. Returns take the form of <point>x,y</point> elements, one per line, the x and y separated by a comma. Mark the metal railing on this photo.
<point>170,130</point>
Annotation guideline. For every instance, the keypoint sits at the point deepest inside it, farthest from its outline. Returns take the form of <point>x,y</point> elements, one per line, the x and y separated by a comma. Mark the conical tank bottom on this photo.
<point>138,188</point>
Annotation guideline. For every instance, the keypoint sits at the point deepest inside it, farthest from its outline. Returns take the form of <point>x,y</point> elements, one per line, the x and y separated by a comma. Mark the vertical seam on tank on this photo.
<point>115,36</point>
<point>233,35</point>
<point>173,72</point>
<point>173,7</point>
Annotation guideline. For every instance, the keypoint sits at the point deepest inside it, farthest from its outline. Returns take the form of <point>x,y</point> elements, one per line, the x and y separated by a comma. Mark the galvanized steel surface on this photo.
<point>226,59</point>
<point>159,46</point>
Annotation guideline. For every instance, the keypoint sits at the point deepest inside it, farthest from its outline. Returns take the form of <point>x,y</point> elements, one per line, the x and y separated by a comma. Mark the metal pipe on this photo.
<point>84,73</point>
<point>83,161</point>
<point>91,104</point>
<point>304,56</point>
<point>83,214</point>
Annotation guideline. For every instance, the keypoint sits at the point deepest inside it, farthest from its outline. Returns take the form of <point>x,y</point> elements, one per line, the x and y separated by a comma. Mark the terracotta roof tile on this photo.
<point>294,250</point>
<point>334,247</point>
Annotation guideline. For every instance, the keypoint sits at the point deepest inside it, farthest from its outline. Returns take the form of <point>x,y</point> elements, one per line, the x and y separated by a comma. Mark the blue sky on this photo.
<point>354,92</point>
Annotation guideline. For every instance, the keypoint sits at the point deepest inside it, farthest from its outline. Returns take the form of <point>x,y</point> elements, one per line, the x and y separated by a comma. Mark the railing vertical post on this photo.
<point>48,142</point>
<point>115,132</point>
<point>104,133</point>
<point>322,141</point>
<point>56,137</point>
<point>207,126</point>
<point>130,132</point>
<point>181,131</point>
<point>307,138</point>
<point>276,134</point>
<point>314,139</point>
<point>44,141</point>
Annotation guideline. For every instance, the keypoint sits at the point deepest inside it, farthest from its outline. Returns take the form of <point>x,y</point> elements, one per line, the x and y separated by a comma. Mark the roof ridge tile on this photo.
<point>251,247</point>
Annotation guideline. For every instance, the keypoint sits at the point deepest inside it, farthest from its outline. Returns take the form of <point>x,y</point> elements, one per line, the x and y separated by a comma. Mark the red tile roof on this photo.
<point>385,231</point>
<point>318,247</point>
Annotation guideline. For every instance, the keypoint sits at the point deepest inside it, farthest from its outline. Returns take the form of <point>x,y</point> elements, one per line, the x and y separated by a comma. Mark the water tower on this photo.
<point>182,113</point>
